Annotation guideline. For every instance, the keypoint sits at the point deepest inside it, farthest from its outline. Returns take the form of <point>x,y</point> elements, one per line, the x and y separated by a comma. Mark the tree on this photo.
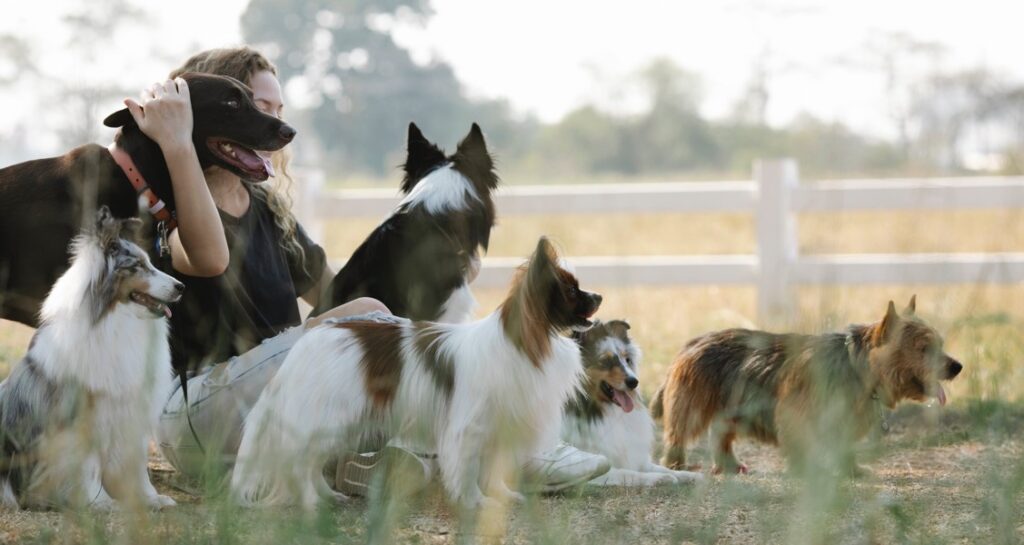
<point>363,88</point>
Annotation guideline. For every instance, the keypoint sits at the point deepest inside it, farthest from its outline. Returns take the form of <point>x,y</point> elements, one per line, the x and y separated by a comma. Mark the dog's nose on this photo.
<point>632,383</point>
<point>954,368</point>
<point>179,287</point>
<point>597,299</point>
<point>286,132</point>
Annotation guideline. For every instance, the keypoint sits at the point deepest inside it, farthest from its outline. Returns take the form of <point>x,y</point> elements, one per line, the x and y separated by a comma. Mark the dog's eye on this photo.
<point>233,104</point>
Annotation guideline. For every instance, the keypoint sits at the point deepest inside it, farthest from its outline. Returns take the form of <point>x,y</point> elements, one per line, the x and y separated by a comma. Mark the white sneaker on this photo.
<point>562,467</point>
<point>355,472</point>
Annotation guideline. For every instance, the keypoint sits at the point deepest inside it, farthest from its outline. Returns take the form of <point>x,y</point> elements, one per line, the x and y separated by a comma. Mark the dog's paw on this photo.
<point>482,503</point>
<point>857,471</point>
<point>160,501</point>
<point>511,496</point>
<point>658,479</point>
<point>104,505</point>
<point>336,498</point>
<point>687,477</point>
<point>737,469</point>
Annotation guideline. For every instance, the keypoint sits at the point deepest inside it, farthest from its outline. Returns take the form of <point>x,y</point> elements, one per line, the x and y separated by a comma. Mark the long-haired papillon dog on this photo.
<point>607,415</point>
<point>420,260</point>
<point>77,412</point>
<point>483,395</point>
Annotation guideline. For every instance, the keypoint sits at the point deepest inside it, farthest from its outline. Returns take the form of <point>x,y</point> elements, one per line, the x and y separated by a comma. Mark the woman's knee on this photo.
<point>362,305</point>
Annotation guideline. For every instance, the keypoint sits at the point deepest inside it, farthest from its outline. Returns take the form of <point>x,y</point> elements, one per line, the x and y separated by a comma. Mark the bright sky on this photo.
<point>548,57</point>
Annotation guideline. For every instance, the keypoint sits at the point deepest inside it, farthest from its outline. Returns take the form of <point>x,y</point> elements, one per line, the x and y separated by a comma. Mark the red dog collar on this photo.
<point>156,206</point>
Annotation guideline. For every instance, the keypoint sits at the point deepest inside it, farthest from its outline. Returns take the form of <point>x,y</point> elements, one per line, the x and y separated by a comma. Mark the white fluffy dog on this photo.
<point>77,411</point>
<point>607,415</point>
<point>483,395</point>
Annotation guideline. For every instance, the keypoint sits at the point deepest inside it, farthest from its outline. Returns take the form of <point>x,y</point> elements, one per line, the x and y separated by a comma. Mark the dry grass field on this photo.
<point>949,475</point>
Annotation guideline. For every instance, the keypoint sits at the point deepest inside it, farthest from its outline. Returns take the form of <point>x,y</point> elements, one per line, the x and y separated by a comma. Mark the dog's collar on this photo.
<point>157,207</point>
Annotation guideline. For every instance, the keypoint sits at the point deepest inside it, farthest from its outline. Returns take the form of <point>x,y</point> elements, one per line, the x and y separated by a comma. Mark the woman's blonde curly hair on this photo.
<point>242,63</point>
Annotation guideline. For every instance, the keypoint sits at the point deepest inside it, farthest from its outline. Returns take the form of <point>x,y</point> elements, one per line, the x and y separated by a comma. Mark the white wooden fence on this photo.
<point>775,196</point>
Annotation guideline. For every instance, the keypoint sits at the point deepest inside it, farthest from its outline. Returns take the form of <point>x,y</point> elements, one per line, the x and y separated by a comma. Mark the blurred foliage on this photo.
<point>363,88</point>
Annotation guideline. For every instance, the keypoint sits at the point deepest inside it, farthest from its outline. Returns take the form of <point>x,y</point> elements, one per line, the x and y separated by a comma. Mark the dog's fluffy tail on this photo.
<point>657,408</point>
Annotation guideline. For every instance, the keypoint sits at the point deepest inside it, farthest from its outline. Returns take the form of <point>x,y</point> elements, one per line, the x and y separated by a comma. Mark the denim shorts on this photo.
<point>220,397</point>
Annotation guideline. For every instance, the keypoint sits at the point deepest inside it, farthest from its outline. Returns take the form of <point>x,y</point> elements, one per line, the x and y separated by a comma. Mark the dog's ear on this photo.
<point>544,256</point>
<point>888,324</point>
<point>422,156</point>
<point>619,328</point>
<point>596,330</point>
<point>108,228</point>
<point>911,306</point>
<point>130,228</point>
<point>472,151</point>
<point>119,118</point>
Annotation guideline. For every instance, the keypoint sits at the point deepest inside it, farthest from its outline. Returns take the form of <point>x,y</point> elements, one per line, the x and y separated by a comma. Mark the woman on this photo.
<point>244,259</point>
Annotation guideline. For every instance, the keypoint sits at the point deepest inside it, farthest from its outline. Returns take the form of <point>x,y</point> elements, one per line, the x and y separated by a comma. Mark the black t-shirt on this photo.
<point>255,298</point>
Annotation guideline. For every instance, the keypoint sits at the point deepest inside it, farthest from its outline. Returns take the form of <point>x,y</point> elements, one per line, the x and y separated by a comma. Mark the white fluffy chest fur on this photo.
<point>626,439</point>
<point>497,384</point>
<point>122,358</point>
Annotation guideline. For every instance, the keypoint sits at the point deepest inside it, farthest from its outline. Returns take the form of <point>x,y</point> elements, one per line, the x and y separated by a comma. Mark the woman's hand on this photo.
<point>198,245</point>
<point>164,114</point>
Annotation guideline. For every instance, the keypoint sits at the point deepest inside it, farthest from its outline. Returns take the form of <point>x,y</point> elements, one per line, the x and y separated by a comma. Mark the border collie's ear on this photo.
<point>911,306</point>
<point>473,149</point>
<point>422,156</point>
<point>119,118</point>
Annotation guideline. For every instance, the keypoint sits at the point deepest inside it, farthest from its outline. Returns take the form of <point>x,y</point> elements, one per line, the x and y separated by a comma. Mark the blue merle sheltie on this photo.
<point>77,411</point>
<point>607,416</point>
<point>483,395</point>
<point>420,260</point>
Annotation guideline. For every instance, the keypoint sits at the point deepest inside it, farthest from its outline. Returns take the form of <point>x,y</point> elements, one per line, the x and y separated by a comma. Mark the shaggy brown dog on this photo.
<point>812,395</point>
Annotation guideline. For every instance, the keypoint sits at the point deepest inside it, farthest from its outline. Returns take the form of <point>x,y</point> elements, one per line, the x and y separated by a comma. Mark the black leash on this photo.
<point>182,378</point>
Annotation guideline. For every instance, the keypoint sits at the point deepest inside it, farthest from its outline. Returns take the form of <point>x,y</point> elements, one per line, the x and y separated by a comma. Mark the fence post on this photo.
<point>777,244</point>
<point>309,183</point>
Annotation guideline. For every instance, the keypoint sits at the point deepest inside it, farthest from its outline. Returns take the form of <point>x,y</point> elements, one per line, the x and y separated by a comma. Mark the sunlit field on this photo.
<point>940,475</point>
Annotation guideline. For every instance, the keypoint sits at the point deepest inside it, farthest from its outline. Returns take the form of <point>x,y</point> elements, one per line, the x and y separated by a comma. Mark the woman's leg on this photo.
<point>355,307</point>
<point>220,397</point>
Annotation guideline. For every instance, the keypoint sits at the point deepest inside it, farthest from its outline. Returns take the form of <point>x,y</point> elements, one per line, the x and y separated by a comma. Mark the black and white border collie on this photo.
<point>420,260</point>
<point>483,395</point>
<point>77,411</point>
<point>607,416</point>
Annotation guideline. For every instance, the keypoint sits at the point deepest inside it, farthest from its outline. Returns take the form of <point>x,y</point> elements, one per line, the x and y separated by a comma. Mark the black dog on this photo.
<point>44,203</point>
<point>419,262</point>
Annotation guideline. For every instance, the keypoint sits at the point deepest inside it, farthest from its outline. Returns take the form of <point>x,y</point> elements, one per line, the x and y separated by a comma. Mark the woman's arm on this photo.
<point>198,246</point>
<point>312,296</point>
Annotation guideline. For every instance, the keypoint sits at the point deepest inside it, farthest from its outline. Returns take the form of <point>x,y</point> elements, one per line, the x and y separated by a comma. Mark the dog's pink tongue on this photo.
<point>167,311</point>
<point>253,160</point>
<point>267,164</point>
<point>623,400</point>
<point>941,394</point>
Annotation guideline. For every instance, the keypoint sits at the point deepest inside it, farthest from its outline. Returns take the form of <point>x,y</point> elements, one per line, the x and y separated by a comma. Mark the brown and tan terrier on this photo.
<point>813,395</point>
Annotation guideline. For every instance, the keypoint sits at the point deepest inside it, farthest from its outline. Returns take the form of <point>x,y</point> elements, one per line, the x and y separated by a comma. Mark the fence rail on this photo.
<point>774,196</point>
